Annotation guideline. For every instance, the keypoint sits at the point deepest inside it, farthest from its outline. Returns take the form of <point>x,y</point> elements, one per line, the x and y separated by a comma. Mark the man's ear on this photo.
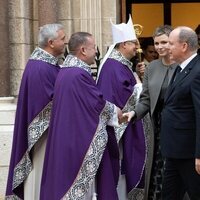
<point>123,45</point>
<point>82,50</point>
<point>185,46</point>
<point>50,42</point>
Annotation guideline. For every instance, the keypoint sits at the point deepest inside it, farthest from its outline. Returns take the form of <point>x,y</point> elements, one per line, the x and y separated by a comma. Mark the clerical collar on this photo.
<point>116,55</point>
<point>73,61</point>
<point>40,54</point>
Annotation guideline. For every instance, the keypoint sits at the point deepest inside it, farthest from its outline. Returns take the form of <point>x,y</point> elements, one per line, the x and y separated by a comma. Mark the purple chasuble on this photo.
<point>77,134</point>
<point>32,117</point>
<point>116,81</point>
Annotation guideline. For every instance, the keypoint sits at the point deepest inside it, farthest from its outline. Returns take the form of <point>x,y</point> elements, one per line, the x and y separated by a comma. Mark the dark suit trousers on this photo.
<point>180,176</point>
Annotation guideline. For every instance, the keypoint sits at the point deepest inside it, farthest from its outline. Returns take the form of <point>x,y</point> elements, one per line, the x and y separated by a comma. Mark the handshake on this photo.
<point>125,117</point>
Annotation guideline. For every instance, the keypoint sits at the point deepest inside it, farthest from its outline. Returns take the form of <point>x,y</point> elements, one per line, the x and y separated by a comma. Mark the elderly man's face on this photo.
<point>59,43</point>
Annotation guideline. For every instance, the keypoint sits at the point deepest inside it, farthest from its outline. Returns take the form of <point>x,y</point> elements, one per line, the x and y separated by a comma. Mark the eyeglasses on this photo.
<point>132,42</point>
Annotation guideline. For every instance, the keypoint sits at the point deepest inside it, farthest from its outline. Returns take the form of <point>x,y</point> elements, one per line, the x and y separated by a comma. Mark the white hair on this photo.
<point>48,31</point>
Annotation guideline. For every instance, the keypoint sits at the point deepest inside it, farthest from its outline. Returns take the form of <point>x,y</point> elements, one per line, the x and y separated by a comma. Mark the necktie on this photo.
<point>177,72</point>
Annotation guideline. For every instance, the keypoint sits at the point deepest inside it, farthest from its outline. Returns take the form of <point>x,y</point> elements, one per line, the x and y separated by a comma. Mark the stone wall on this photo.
<point>20,39</point>
<point>25,17</point>
<point>4,55</point>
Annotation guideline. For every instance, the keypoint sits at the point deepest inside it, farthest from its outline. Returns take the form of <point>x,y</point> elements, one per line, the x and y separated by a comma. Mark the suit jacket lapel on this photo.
<point>160,74</point>
<point>180,77</point>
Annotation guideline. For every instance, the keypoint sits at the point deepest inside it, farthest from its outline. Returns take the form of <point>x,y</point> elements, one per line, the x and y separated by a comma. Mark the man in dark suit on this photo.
<point>180,126</point>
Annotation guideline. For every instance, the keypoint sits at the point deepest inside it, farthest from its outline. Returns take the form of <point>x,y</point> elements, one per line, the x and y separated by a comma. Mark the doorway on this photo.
<point>151,14</point>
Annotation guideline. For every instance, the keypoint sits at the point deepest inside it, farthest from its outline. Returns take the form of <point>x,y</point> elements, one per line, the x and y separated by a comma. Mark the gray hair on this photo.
<point>162,30</point>
<point>187,35</point>
<point>48,32</point>
<point>76,40</point>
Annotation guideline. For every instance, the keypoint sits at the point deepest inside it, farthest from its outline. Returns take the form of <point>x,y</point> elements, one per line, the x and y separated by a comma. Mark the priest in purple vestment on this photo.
<point>77,134</point>
<point>122,87</point>
<point>33,112</point>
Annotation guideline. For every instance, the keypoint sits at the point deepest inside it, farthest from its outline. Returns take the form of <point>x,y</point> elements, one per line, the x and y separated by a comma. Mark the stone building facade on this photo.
<point>20,21</point>
<point>19,24</point>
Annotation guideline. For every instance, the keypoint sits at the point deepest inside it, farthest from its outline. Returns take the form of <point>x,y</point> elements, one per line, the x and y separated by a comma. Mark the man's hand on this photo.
<point>129,115</point>
<point>121,118</point>
<point>197,165</point>
<point>140,68</point>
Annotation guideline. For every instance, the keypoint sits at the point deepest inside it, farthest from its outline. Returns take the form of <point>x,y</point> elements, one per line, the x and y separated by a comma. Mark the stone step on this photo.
<point>7,117</point>
<point>7,111</point>
<point>6,136</point>
<point>3,181</point>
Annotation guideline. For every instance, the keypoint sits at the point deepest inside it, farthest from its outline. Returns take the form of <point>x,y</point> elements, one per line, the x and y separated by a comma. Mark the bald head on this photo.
<point>183,43</point>
<point>186,34</point>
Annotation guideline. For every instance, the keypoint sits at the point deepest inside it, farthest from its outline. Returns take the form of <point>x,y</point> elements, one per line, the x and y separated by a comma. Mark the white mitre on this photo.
<point>123,32</point>
<point>120,33</point>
